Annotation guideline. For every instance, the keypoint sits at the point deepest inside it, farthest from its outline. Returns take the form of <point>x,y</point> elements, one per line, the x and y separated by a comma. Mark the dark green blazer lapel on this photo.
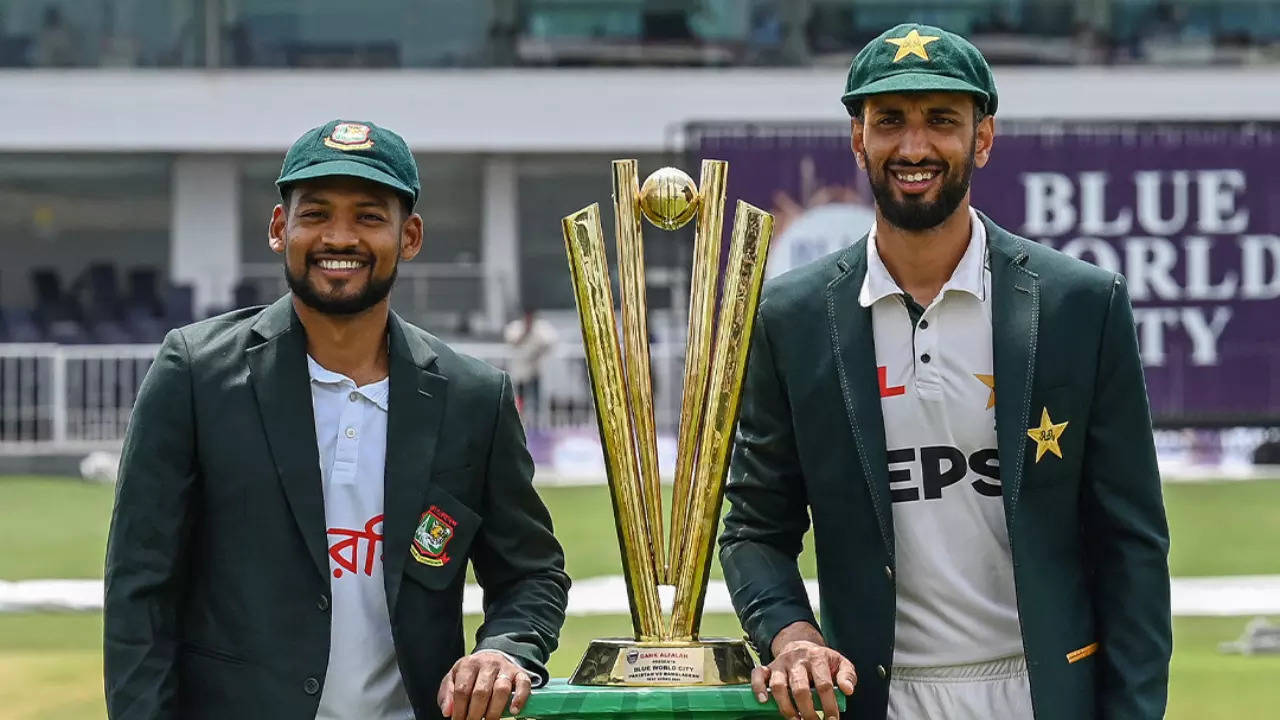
<point>282,385</point>
<point>853,342</point>
<point>414,413</point>
<point>1015,319</point>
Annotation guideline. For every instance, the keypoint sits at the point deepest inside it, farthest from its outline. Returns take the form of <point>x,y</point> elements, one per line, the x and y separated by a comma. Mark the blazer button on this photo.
<point>323,603</point>
<point>888,572</point>
<point>311,686</point>
<point>883,673</point>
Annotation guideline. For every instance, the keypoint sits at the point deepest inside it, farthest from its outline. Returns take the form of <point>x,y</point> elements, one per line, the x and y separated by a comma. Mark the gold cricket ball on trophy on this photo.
<point>669,198</point>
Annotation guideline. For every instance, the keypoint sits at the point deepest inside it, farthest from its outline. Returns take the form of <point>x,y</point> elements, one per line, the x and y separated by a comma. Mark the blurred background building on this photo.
<point>141,139</point>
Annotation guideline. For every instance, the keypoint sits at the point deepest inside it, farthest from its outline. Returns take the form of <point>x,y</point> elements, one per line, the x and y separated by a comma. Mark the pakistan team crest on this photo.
<point>435,530</point>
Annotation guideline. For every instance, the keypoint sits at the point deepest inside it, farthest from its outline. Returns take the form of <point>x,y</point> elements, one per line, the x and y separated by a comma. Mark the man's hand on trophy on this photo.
<point>801,664</point>
<point>480,685</point>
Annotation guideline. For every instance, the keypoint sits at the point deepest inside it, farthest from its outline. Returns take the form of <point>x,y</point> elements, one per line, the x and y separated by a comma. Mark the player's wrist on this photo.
<point>794,636</point>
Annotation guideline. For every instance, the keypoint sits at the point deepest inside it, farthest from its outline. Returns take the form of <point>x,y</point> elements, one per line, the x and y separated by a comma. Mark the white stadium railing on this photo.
<point>58,399</point>
<point>76,399</point>
<point>64,398</point>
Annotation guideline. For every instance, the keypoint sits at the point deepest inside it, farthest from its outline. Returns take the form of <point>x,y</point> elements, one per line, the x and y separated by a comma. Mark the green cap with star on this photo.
<point>352,149</point>
<point>919,58</point>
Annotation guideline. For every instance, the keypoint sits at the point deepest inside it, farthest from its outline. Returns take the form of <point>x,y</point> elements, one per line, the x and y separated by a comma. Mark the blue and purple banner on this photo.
<point>1190,214</point>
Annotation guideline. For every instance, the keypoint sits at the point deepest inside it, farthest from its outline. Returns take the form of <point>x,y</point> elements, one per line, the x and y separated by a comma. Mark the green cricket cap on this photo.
<point>352,149</point>
<point>919,58</point>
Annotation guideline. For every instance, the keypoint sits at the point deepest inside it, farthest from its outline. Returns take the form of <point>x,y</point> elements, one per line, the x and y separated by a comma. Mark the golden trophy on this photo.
<point>667,651</point>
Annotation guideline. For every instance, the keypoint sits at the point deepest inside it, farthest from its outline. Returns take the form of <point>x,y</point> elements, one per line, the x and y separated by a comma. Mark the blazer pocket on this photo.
<point>212,654</point>
<point>452,472</point>
<point>459,480</point>
<point>441,540</point>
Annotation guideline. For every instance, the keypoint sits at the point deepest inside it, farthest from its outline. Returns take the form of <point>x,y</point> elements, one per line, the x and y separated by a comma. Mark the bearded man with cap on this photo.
<point>962,412</point>
<point>303,485</point>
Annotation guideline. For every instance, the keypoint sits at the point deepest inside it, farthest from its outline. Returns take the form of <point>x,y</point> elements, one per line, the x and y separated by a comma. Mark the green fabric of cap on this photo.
<point>352,149</point>
<point>919,58</point>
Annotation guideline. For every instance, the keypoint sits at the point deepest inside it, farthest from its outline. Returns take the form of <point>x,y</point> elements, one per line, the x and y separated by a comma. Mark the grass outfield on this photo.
<point>54,528</point>
<point>50,665</point>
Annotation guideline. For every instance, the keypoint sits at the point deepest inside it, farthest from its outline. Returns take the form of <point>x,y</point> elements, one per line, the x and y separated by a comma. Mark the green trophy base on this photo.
<point>560,701</point>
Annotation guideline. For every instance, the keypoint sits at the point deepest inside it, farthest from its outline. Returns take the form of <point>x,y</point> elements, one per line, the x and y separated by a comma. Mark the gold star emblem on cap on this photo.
<point>912,44</point>
<point>989,381</point>
<point>1046,436</point>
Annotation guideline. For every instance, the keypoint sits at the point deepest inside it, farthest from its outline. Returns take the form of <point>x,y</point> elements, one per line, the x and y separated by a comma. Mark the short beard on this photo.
<point>375,291</point>
<point>914,214</point>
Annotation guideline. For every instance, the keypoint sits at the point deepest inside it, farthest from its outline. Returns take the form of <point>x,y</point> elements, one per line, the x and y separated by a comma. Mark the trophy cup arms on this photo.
<point>749,247</point>
<point>589,272</point>
<point>702,308</point>
<point>635,343</point>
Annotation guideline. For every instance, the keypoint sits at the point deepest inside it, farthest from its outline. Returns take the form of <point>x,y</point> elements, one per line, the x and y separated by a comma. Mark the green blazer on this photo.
<point>1087,531</point>
<point>217,570</point>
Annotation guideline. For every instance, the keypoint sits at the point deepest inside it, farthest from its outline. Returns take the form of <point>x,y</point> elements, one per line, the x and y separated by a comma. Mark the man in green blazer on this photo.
<point>303,485</point>
<point>963,415</point>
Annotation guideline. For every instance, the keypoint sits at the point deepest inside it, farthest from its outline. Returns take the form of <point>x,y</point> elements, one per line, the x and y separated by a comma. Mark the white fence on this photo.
<point>69,398</point>
<point>64,398</point>
<point>57,399</point>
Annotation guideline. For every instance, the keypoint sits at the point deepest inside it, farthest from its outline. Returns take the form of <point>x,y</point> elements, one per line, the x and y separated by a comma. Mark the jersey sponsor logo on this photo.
<point>345,553</point>
<point>435,530</point>
<point>926,473</point>
<point>885,391</point>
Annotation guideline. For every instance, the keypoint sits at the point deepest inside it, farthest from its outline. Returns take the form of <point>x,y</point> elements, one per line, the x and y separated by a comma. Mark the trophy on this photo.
<point>667,651</point>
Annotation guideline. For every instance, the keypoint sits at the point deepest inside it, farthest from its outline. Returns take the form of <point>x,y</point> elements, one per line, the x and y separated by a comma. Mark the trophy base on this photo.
<point>633,663</point>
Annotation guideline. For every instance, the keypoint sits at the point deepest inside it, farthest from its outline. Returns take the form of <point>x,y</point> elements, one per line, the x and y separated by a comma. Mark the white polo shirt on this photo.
<point>363,679</point>
<point>955,593</point>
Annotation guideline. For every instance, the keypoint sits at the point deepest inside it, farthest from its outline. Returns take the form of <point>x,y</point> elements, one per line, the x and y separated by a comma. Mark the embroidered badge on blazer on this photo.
<point>1046,436</point>
<point>435,530</point>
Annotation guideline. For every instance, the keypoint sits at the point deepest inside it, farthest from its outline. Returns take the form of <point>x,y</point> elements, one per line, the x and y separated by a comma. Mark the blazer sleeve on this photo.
<point>768,512</point>
<point>1125,530</point>
<point>517,559</point>
<point>147,542</point>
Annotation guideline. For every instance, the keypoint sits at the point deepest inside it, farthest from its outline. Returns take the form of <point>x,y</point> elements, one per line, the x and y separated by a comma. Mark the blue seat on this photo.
<point>18,326</point>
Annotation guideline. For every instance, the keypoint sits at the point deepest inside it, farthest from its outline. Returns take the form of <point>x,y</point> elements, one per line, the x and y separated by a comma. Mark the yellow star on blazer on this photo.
<point>1046,436</point>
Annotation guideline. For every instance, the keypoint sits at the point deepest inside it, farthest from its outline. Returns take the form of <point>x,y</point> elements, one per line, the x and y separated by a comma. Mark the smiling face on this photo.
<point>919,151</point>
<point>342,239</point>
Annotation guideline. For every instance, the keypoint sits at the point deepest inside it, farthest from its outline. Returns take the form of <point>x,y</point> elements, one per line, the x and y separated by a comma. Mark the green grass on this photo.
<point>52,528</point>
<point>1223,528</point>
<point>1205,519</point>
<point>50,664</point>
<point>57,529</point>
<point>583,518</point>
<point>1206,685</point>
